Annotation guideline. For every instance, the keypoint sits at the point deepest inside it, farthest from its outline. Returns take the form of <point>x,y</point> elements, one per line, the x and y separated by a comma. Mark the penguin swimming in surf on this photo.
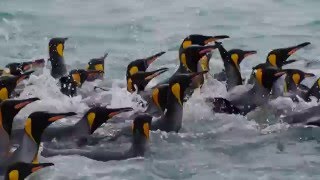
<point>34,127</point>
<point>85,127</point>
<point>9,83</point>
<point>279,57</point>
<point>195,39</point>
<point>8,110</point>
<point>172,118</point>
<point>97,65</point>
<point>292,82</point>
<point>139,80</point>
<point>56,57</point>
<point>21,170</point>
<point>258,95</point>
<point>140,139</point>
<point>17,69</point>
<point>141,64</point>
<point>231,61</point>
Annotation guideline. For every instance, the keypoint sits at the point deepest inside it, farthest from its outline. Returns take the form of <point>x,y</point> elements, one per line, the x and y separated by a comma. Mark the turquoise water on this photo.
<point>211,146</point>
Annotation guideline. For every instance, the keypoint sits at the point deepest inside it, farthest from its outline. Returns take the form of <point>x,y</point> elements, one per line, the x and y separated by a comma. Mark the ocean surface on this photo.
<point>210,146</point>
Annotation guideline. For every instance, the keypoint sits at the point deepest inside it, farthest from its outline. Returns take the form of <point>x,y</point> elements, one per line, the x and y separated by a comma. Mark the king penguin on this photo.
<point>34,127</point>
<point>97,65</point>
<point>140,144</point>
<point>8,110</point>
<point>9,83</point>
<point>231,61</point>
<point>56,51</point>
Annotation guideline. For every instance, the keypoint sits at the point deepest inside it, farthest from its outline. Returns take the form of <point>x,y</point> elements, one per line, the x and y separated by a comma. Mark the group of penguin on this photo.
<point>164,102</point>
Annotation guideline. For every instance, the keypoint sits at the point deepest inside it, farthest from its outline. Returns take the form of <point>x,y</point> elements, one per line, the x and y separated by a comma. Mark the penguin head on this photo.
<point>26,66</point>
<point>9,83</point>
<point>141,79</point>
<point>37,122</point>
<point>266,75</point>
<point>141,125</point>
<point>81,75</point>
<point>9,109</point>
<point>13,69</point>
<point>97,64</point>
<point>19,68</point>
<point>96,116</point>
<point>191,56</point>
<point>159,96</point>
<point>278,57</point>
<point>294,77</point>
<point>56,48</point>
<point>21,170</point>
<point>198,39</point>
<point>179,83</point>
<point>141,64</point>
<point>237,55</point>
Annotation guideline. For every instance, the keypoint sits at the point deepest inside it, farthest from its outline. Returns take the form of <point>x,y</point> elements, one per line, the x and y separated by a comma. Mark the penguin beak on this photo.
<point>25,103</point>
<point>115,112</point>
<point>156,73</point>
<point>151,59</point>
<point>279,74</point>
<point>215,38</point>
<point>64,39</point>
<point>309,75</point>
<point>249,53</point>
<point>37,167</point>
<point>57,116</point>
<point>207,49</point>
<point>294,49</point>
<point>38,63</point>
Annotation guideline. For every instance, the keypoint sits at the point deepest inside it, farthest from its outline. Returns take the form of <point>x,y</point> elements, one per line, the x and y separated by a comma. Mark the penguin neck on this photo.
<point>4,143</point>
<point>56,60</point>
<point>27,151</point>
<point>59,68</point>
<point>291,86</point>
<point>139,144</point>
<point>81,128</point>
<point>173,115</point>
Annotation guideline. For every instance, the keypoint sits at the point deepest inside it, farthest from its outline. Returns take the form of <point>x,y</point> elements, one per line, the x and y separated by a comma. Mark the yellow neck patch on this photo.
<point>186,44</point>
<point>183,59</point>
<point>319,83</point>
<point>76,78</point>
<point>176,92</point>
<point>4,94</point>
<point>99,67</point>
<point>60,49</point>
<point>28,129</point>
<point>155,97</point>
<point>130,85</point>
<point>90,117</point>
<point>285,87</point>
<point>146,129</point>
<point>296,78</point>
<point>35,159</point>
<point>14,175</point>
<point>235,59</point>
<point>204,63</point>
<point>259,76</point>
<point>272,58</point>
<point>133,70</point>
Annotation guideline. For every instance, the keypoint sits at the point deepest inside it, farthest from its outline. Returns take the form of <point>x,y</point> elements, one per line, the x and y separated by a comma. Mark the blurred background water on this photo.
<point>210,146</point>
